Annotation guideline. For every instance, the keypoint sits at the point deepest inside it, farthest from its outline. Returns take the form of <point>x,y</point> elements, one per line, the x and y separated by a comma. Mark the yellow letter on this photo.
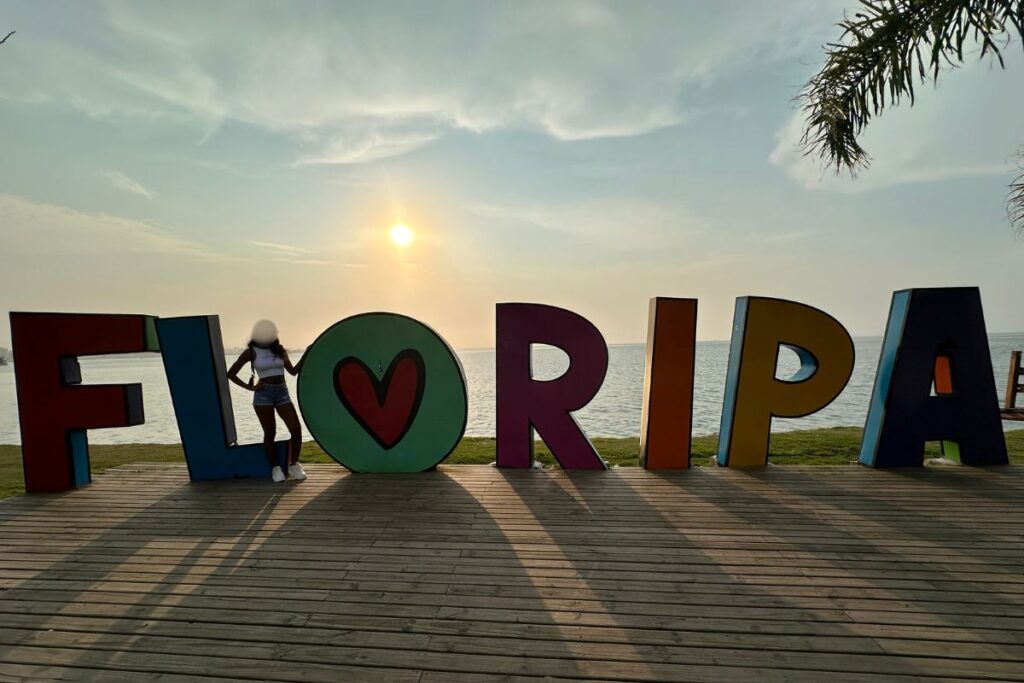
<point>754,395</point>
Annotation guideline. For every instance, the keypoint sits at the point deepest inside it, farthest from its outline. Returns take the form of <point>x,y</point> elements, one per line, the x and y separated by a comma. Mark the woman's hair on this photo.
<point>264,335</point>
<point>275,347</point>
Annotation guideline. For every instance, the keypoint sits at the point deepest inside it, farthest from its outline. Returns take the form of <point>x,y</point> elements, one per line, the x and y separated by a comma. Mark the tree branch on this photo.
<point>6,37</point>
<point>886,47</point>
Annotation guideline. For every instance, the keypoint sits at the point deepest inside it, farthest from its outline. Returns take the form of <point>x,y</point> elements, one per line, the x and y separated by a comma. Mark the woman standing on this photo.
<point>269,362</point>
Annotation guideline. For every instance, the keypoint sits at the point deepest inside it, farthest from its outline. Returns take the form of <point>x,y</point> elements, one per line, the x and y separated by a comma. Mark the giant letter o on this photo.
<point>381,392</point>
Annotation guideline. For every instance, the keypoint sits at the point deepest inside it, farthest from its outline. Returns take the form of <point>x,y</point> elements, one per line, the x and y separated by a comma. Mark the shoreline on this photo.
<point>822,447</point>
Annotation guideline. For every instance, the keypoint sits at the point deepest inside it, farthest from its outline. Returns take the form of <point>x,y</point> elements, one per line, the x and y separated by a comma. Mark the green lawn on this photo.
<point>834,446</point>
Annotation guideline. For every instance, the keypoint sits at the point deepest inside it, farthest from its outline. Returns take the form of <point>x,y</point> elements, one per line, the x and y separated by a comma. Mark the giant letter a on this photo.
<point>932,329</point>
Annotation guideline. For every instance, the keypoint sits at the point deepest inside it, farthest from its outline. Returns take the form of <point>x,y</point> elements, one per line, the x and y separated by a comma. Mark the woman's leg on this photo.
<point>269,424</point>
<point>291,420</point>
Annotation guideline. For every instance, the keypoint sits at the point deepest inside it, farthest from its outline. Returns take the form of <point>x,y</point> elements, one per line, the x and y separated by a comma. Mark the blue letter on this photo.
<point>196,373</point>
<point>929,329</point>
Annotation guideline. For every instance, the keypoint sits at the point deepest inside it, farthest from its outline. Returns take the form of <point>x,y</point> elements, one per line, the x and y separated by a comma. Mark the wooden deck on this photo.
<point>469,573</point>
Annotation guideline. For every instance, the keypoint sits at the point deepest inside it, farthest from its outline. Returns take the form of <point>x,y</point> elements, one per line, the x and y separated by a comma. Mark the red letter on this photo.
<point>53,411</point>
<point>525,404</point>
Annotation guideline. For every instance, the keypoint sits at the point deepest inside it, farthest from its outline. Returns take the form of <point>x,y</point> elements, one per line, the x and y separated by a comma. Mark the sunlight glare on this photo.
<point>401,235</point>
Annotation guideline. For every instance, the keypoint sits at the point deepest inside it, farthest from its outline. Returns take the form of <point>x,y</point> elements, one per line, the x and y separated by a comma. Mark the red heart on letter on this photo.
<point>386,407</point>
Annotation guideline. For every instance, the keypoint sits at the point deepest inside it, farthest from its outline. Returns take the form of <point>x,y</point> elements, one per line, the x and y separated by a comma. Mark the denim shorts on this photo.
<point>271,395</point>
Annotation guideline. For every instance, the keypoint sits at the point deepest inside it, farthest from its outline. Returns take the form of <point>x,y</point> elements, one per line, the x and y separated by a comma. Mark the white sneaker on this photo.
<point>277,475</point>
<point>296,472</point>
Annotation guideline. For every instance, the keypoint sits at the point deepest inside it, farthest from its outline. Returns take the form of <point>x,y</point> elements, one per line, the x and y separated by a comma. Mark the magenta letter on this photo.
<point>525,404</point>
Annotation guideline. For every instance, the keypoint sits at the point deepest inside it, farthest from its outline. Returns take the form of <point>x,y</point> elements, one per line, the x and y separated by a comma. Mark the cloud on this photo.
<point>280,248</point>
<point>303,261</point>
<point>33,228</point>
<point>360,147</point>
<point>359,84</point>
<point>123,182</point>
<point>287,253</point>
<point>619,225</point>
<point>793,236</point>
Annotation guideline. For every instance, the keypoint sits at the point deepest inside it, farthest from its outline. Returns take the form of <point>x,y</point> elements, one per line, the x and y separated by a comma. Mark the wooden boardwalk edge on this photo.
<point>472,573</point>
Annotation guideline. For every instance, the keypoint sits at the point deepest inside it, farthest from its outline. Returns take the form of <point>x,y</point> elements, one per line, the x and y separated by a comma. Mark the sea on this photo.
<point>615,411</point>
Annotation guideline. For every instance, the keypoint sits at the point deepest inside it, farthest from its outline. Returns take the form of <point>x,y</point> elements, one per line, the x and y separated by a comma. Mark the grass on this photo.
<point>832,446</point>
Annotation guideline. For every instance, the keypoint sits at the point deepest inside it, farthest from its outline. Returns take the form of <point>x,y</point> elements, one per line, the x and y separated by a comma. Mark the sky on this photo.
<point>249,159</point>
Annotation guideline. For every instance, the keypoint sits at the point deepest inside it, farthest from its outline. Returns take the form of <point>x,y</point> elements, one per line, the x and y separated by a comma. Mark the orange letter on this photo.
<point>667,418</point>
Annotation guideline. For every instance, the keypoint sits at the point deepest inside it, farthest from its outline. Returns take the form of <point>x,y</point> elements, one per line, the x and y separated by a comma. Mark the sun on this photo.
<point>401,235</point>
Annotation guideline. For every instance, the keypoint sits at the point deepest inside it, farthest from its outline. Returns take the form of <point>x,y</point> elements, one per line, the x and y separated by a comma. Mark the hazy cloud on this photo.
<point>792,236</point>
<point>287,253</point>
<point>303,261</point>
<point>123,182</point>
<point>352,84</point>
<point>32,228</point>
<point>359,146</point>
<point>620,225</point>
<point>280,248</point>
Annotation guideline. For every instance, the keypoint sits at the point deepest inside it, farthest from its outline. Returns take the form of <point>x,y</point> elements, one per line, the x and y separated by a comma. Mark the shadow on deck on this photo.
<point>470,573</point>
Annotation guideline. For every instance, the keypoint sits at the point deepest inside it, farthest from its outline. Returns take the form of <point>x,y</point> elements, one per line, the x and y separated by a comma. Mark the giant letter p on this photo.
<point>753,393</point>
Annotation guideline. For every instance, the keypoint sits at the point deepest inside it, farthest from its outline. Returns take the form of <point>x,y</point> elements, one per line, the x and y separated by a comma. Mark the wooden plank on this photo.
<point>469,654</point>
<point>31,672</point>
<point>472,573</point>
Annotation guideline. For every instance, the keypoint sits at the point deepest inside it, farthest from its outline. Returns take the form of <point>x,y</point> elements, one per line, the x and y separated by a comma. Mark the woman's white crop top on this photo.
<point>266,364</point>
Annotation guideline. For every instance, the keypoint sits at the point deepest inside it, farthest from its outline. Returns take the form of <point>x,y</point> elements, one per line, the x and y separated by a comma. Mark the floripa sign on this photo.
<point>382,392</point>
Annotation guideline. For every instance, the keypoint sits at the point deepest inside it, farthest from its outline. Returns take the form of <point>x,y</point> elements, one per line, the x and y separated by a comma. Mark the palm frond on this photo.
<point>1015,200</point>
<point>885,49</point>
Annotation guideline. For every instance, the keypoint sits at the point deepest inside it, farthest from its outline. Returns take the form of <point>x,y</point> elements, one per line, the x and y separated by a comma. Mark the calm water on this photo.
<point>614,412</point>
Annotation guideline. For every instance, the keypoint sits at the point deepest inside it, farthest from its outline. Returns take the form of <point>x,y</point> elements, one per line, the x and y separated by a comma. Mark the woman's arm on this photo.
<point>244,358</point>
<point>293,369</point>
